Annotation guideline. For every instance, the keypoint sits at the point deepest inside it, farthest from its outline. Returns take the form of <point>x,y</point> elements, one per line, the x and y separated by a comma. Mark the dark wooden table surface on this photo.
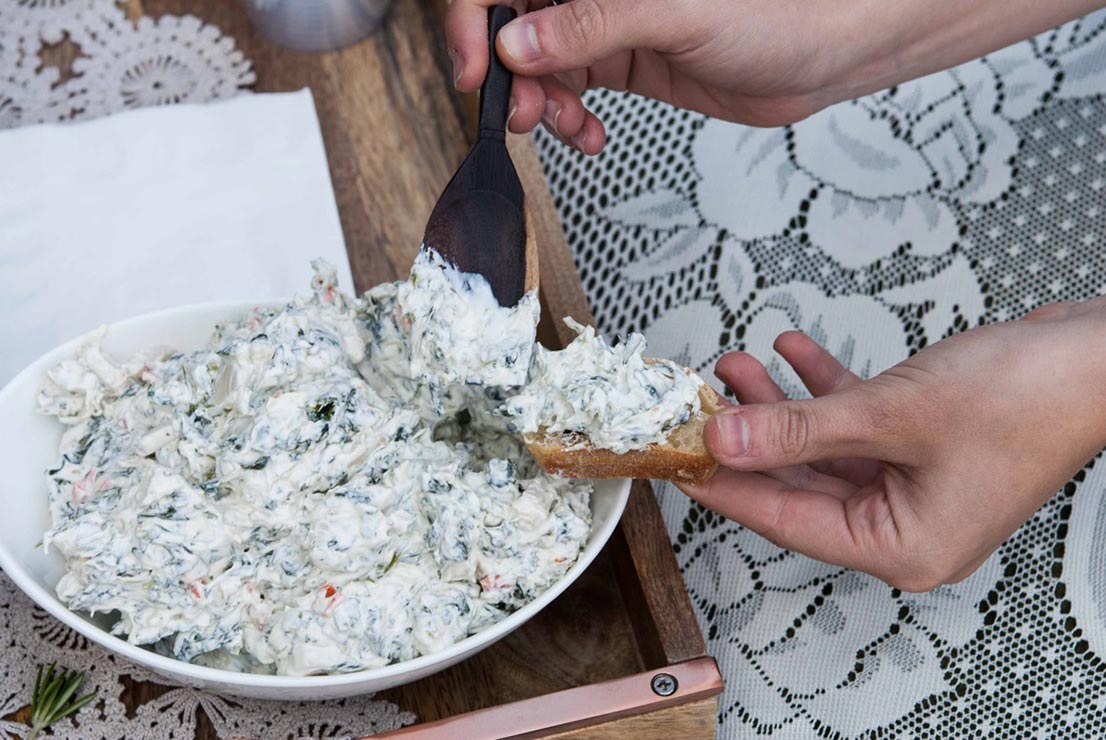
<point>394,133</point>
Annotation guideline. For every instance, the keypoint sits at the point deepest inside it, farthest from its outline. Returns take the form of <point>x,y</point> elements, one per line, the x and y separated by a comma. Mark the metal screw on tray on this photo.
<point>316,25</point>
<point>664,684</point>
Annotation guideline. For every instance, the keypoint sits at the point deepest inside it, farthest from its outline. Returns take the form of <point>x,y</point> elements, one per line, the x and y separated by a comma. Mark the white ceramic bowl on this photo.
<point>29,446</point>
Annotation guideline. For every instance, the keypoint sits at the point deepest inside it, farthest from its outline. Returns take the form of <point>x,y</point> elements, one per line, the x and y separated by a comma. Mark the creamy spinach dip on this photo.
<point>327,486</point>
<point>602,395</point>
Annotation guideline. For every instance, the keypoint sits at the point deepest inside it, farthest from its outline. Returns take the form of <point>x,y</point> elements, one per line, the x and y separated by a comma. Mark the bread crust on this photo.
<point>682,458</point>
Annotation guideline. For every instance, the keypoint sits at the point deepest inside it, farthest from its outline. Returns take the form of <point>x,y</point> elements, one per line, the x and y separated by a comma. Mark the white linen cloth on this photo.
<point>158,207</point>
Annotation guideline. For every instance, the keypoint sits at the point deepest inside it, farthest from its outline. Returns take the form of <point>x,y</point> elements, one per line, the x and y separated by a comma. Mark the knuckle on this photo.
<point>778,527</point>
<point>892,414</point>
<point>584,23</point>
<point>1058,310</point>
<point>914,583</point>
<point>886,420</point>
<point>804,477</point>
<point>842,378</point>
<point>793,433</point>
<point>917,575</point>
<point>960,576</point>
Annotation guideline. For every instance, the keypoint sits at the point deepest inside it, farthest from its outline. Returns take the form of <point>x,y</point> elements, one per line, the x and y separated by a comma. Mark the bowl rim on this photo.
<point>163,664</point>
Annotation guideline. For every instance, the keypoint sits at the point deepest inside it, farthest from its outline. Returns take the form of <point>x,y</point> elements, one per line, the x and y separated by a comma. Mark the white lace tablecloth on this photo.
<point>121,66</point>
<point>876,226</point>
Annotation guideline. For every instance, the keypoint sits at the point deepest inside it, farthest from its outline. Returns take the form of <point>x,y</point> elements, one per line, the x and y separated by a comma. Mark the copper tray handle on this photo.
<point>577,707</point>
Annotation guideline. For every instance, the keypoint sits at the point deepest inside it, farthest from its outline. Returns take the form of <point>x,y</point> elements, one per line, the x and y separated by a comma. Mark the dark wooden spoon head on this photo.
<point>479,223</point>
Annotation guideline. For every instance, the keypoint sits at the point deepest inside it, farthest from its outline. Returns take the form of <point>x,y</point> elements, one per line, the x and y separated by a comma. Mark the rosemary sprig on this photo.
<point>52,697</point>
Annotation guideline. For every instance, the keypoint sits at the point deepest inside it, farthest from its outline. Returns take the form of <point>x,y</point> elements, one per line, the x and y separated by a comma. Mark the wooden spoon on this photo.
<point>480,223</point>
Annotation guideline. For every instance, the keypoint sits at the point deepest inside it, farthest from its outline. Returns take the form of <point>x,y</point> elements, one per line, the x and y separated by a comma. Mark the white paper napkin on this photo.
<point>159,207</point>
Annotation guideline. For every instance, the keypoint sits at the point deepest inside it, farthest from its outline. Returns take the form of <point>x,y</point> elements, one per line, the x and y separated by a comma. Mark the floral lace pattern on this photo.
<point>120,64</point>
<point>877,226</point>
<point>126,65</point>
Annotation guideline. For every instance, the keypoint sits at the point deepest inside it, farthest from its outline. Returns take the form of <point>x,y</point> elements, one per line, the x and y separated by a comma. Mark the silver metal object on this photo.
<point>664,684</point>
<point>316,25</point>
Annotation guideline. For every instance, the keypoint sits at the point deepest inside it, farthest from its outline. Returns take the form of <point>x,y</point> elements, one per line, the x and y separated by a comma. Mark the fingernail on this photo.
<point>520,41</point>
<point>733,434</point>
<point>510,113</point>
<point>580,140</point>
<point>552,114</point>
<point>458,66</point>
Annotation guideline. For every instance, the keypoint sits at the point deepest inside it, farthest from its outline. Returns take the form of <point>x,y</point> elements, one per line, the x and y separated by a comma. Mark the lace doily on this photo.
<point>31,636</point>
<point>123,65</point>
<point>877,226</point>
<point>120,64</point>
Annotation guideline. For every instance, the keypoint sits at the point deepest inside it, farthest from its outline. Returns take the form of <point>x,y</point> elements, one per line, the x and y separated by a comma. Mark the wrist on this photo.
<point>818,62</point>
<point>1092,357</point>
<point>870,45</point>
<point>1069,363</point>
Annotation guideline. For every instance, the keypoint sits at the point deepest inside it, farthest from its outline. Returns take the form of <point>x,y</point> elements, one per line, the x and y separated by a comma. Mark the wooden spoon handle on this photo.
<point>495,93</point>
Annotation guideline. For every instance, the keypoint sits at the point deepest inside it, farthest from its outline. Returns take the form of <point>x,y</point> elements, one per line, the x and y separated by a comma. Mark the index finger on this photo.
<point>811,522</point>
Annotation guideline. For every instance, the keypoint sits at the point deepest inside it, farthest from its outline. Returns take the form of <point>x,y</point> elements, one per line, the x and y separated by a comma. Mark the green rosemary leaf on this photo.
<point>52,697</point>
<point>49,690</point>
<point>77,704</point>
<point>38,684</point>
<point>68,690</point>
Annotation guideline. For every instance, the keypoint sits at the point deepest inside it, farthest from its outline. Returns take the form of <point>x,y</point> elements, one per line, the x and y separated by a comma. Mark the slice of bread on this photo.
<point>682,458</point>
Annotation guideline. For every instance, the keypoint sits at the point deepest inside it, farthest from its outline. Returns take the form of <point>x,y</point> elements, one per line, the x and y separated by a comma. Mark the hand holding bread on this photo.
<point>917,474</point>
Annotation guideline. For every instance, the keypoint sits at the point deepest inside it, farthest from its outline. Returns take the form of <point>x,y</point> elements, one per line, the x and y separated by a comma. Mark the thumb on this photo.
<point>574,35</point>
<point>776,435</point>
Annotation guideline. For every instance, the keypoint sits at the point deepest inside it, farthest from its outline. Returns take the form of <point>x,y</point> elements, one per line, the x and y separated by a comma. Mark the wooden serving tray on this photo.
<point>584,667</point>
